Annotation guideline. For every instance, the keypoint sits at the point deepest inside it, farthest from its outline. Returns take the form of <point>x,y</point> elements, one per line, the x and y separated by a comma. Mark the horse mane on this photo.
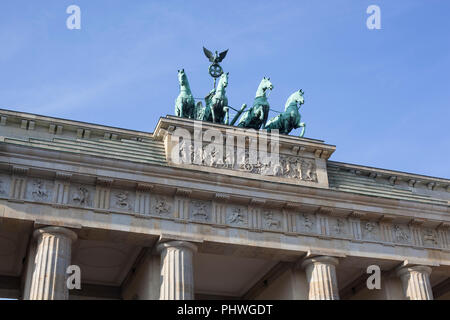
<point>187,86</point>
<point>291,101</point>
<point>259,88</point>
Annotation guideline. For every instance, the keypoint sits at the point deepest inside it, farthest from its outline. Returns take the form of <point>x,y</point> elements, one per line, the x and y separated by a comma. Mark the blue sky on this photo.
<point>381,96</point>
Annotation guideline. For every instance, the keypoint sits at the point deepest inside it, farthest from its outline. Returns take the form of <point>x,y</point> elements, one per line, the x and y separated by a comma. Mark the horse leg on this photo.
<point>213,114</point>
<point>303,126</point>
<point>182,109</point>
<point>227,115</point>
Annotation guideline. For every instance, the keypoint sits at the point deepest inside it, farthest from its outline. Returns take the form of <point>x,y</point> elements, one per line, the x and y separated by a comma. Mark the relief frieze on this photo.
<point>237,215</point>
<point>40,190</point>
<point>283,166</point>
<point>161,205</point>
<point>200,210</point>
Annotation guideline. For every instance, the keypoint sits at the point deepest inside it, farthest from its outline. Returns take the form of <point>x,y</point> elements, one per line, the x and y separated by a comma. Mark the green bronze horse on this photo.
<point>290,119</point>
<point>256,116</point>
<point>216,109</point>
<point>184,104</point>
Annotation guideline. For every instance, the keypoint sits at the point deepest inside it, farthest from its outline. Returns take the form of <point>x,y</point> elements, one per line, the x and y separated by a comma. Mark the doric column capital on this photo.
<point>178,244</point>
<point>329,260</point>
<point>321,276</point>
<point>56,231</point>
<point>409,269</point>
<point>416,282</point>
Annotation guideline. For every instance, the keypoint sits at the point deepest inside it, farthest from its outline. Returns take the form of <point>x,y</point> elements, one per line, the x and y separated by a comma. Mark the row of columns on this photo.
<point>322,280</point>
<point>53,255</point>
<point>47,276</point>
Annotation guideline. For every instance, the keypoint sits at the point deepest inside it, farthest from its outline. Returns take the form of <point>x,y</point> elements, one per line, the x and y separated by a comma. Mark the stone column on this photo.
<point>416,282</point>
<point>177,270</point>
<point>321,276</point>
<point>53,255</point>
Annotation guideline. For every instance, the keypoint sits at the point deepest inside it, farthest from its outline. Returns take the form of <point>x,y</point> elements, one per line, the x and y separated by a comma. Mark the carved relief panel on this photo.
<point>5,182</point>
<point>291,167</point>
<point>39,190</point>
<point>306,223</point>
<point>200,210</point>
<point>272,219</point>
<point>430,238</point>
<point>161,206</point>
<point>237,215</point>
<point>401,234</point>
<point>370,230</point>
<point>122,200</point>
<point>339,226</point>
<point>81,195</point>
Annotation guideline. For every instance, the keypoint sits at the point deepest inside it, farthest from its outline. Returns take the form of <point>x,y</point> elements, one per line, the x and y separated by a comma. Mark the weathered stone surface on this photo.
<point>53,255</point>
<point>118,186</point>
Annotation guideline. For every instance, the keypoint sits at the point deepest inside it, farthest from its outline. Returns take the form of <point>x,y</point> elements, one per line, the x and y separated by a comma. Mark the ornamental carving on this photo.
<point>122,200</point>
<point>237,216</point>
<point>338,227</point>
<point>307,222</point>
<point>199,210</point>
<point>291,167</point>
<point>430,237</point>
<point>40,191</point>
<point>161,206</point>
<point>270,220</point>
<point>400,234</point>
<point>81,196</point>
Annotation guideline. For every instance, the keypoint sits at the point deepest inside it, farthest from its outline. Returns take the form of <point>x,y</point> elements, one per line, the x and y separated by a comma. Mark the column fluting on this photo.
<point>416,282</point>
<point>53,256</point>
<point>177,270</point>
<point>321,276</point>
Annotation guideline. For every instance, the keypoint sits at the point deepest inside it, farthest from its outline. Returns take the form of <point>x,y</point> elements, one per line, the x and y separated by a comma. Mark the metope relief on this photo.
<point>161,205</point>
<point>200,210</point>
<point>283,166</point>
<point>237,215</point>
<point>430,237</point>
<point>339,227</point>
<point>271,220</point>
<point>4,185</point>
<point>370,230</point>
<point>122,200</point>
<point>400,234</point>
<point>306,223</point>
<point>40,190</point>
<point>81,196</point>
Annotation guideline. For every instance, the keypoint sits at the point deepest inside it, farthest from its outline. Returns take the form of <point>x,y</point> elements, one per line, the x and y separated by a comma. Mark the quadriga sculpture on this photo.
<point>216,109</point>
<point>184,104</point>
<point>256,116</point>
<point>288,120</point>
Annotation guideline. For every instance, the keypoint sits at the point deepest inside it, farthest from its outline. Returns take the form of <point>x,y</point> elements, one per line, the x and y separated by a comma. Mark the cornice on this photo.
<point>240,186</point>
<point>393,176</point>
<point>58,125</point>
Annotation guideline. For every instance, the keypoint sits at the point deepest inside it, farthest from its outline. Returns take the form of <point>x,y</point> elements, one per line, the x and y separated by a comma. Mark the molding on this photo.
<point>144,187</point>
<point>104,182</point>
<point>64,176</point>
<point>182,192</point>
<point>19,170</point>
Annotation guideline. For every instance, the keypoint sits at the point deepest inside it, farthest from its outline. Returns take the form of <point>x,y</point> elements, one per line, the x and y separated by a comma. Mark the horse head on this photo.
<point>182,78</point>
<point>295,98</point>
<point>264,86</point>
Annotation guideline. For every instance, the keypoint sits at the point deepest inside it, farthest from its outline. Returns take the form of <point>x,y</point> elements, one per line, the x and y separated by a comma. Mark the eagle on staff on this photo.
<point>215,58</point>
<point>215,70</point>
